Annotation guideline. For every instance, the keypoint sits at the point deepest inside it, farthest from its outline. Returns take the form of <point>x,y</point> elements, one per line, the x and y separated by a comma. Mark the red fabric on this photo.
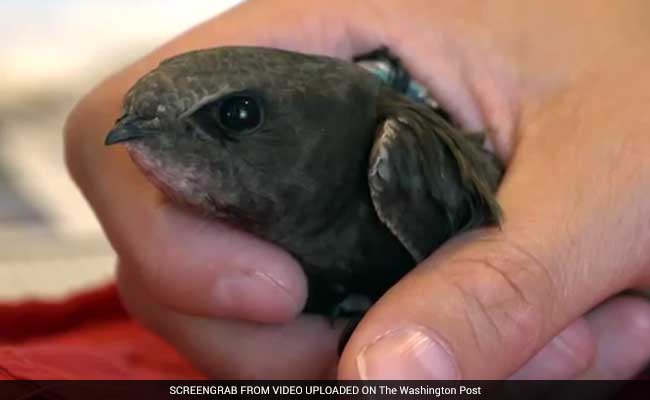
<point>88,336</point>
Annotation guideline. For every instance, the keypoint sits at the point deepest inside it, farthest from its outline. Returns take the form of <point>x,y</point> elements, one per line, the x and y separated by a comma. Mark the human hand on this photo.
<point>576,224</point>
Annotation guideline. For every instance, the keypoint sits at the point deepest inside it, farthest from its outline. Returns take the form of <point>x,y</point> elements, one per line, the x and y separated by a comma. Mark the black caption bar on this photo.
<point>501,390</point>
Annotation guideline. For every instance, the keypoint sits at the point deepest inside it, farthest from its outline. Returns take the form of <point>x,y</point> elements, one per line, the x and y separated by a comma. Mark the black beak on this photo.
<point>126,131</point>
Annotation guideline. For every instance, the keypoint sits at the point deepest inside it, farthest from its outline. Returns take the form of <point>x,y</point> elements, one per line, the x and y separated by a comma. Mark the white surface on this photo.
<point>51,52</point>
<point>54,40</point>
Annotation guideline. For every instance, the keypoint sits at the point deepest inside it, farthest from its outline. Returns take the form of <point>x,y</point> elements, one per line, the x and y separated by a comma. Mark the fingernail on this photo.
<point>407,353</point>
<point>254,295</point>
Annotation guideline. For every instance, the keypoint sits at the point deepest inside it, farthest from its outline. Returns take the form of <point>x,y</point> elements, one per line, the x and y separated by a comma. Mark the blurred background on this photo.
<point>51,53</point>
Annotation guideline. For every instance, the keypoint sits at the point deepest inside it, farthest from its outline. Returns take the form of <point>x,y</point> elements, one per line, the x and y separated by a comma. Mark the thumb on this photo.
<point>476,309</point>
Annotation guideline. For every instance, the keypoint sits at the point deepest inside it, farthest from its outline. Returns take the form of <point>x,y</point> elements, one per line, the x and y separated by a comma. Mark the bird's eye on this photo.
<point>228,117</point>
<point>239,113</point>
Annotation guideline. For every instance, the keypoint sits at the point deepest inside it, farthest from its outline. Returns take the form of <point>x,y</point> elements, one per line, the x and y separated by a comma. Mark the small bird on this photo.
<point>358,181</point>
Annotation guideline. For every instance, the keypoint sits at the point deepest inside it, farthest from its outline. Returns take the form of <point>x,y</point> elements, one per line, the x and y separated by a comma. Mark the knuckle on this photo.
<point>507,296</point>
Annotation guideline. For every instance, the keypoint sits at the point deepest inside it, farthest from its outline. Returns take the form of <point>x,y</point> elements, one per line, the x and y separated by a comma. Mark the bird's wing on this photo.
<point>428,180</point>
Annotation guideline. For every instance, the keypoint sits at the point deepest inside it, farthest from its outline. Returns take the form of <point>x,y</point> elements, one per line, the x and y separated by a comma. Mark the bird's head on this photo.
<point>248,133</point>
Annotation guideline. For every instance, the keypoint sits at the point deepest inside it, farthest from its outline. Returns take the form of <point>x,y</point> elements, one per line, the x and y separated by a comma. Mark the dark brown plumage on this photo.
<point>315,154</point>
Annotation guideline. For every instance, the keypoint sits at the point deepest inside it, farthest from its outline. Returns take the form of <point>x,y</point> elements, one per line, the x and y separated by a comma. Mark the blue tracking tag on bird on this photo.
<point>388,68</point>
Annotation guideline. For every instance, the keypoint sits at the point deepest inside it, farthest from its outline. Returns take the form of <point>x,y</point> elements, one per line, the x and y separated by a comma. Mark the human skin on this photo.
<point>561,90</point>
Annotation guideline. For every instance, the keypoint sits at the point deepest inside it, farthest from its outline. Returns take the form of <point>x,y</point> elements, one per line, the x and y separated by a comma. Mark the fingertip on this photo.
<point>206,268</point>
<point>622,329</point>
<point>406,353</point>
<point>570,353</point>
<point>255,295</point>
